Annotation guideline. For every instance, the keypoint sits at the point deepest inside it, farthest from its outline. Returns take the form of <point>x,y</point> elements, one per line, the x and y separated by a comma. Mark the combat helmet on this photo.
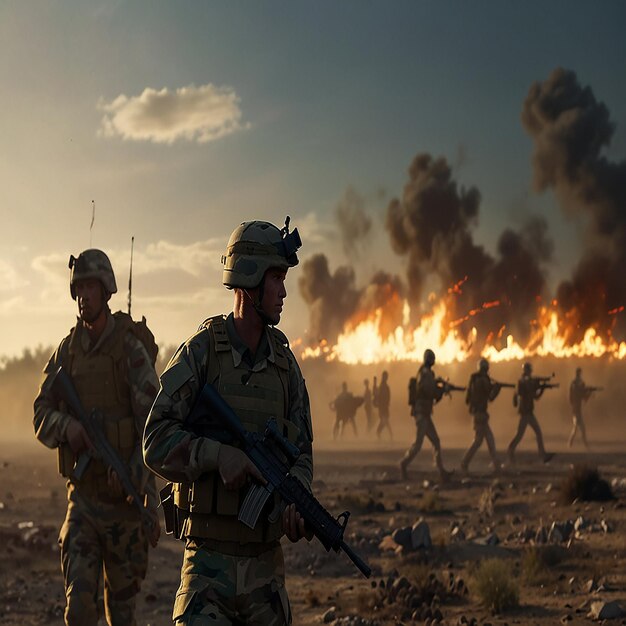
<point>527,368</point>
<point>92,263</point>
<point>483,365</point>
<point>253,248</point>
<point>429,357</point>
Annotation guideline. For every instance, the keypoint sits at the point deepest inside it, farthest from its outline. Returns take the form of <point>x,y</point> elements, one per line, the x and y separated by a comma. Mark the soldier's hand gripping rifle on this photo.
<point>63,387</point>
<point>265,451</point>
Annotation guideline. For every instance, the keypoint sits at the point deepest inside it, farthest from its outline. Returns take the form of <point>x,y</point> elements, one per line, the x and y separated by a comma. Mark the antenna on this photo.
<point>93,219</point>
<point>130,274</point>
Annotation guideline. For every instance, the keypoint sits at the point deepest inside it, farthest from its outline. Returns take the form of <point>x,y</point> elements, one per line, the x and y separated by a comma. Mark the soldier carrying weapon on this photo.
<point>480,391</point>
<point>424,392</point>
<point>345,406</point>
<point>579,393</point>
<point>529,389</point>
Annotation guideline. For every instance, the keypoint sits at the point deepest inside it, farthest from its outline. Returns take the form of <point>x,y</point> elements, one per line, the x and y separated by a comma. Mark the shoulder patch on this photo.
<point>175,377</point>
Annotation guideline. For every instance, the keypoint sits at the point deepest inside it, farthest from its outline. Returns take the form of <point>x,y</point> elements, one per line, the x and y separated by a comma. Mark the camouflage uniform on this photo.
<point>528,390</point>
<point>480,391</point>
<point>578,393</point>
<point>101,532</point>
<point>428,394</point>
<point>231,574</point>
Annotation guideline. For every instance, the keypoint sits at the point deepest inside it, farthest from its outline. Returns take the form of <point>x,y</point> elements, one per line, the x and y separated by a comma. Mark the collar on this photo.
<point>242,354</point>
<point>85,341</point>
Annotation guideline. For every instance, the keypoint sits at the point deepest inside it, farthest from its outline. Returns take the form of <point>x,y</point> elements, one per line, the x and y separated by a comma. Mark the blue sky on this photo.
<point>330,94</point>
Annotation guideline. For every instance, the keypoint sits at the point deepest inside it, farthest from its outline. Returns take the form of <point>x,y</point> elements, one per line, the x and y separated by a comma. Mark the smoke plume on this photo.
<point>354,223</point>
<point>570,128</point>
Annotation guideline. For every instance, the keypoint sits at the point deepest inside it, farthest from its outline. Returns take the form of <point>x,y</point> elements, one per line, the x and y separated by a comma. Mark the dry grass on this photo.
<point>537,564</point>
<point>495,585</point>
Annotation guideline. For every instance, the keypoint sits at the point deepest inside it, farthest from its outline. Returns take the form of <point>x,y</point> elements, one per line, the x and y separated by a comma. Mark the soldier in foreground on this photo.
<point>481,390</point>
<point>345,406</point>
<point>233,574</point>
<point>112,371</point>
<point>528,390</point>
<point>428,391</point>
<point>383,400</point>
<point>579,393</point>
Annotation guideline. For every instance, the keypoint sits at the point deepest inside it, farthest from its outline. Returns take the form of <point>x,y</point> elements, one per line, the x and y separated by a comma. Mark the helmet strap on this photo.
<point>256,303</point>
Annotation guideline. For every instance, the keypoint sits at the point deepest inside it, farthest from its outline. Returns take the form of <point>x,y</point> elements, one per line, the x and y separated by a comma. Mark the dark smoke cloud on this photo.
<point>354,223</point>
<point>570,128</point>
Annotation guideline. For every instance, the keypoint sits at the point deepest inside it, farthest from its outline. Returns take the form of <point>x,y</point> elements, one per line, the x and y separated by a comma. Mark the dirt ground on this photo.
<point>515,508</point>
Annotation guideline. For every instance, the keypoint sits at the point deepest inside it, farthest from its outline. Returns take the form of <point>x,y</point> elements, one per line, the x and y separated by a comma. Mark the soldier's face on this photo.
<point>274,294</point>
<point>90,299</point>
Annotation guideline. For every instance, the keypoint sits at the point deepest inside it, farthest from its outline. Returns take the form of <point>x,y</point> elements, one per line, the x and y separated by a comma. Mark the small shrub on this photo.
<point>430,502</point>
<point>583,482</point>
<point>487,501</point>
<point>538,561</point>
<point>496,586</point>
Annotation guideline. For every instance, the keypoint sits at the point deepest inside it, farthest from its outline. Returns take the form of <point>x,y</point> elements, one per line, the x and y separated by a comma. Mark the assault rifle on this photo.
<point>447,386</point>
<point>64,389</point>
<point>503,385</point>
<point>590,389</point>
<point>266,451</point>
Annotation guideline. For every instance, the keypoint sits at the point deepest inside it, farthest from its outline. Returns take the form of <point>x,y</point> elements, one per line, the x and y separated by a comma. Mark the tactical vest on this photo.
<point>526,390</point>
<point>101,381</point>
<point>425,392</point>
<point>255,397</point>
<point>479,392</point>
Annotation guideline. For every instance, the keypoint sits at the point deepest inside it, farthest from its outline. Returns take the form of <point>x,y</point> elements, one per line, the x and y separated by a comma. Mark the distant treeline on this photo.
<point>20,378</point>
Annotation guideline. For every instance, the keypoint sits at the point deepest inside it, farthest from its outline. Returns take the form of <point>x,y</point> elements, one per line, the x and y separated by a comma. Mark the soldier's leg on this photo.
<point>81,562</point>
<point>521,429</point>
<point>412,452</point>
<point>336,428</point>
<point>431,433</point>
<point>471,451</point>
<point>583,430</point>
<point>491,446</point>
<point>534,424</point>
<point>388,424</point>
<point>353,422</point>
<point>261,595</point>
<point>572,436</point>
<point>208,587</point>
<point>125,563</point>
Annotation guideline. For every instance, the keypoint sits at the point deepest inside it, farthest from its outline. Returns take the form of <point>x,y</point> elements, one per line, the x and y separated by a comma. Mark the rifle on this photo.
<point>265,451</point>
<point>130,274</point>
<point>64,389</point>
<point>447,386</point>
<point>590,389</point>
<point>548,385</point>
<point>543,379</point>
<point>503,385</point>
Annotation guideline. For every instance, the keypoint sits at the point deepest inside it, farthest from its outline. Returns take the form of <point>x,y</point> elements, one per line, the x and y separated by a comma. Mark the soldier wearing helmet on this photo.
<point>232,573</point>
<point>428,392</point>
<point>528,390</point>
<point>579,392</point>
<point>114,374</point>
<point>481,390</point>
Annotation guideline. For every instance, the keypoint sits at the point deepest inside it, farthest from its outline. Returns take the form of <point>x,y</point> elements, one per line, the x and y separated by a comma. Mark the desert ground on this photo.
<point>559,571</point>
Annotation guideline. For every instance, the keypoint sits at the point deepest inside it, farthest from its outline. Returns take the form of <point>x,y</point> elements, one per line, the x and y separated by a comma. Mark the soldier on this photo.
<point>528,390</point>
<point>579,393</point>
<point>345,406</point>
<point>111,371</point>
<point>367,405</point>
<point>480,391</point>
<point>428,392</point>
<point>232,574</point>
<point>383,400</point>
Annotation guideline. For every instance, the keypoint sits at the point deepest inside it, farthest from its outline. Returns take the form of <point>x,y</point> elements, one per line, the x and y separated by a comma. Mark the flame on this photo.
<point>368,340</point>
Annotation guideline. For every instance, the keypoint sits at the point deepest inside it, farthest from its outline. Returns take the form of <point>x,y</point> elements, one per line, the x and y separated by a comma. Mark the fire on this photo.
<point>367,341</point>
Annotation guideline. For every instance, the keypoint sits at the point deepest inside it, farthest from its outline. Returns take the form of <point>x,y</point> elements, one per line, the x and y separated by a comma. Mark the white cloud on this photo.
<point>201,114</point>
<point>9,278</point>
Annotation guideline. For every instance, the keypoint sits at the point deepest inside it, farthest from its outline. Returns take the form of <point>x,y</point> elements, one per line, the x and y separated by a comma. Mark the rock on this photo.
<point>420,535</point>
<point>581,523</point>
<point>457,534</point>
<point>566,618</point>
<point>541,536</point>
<point>330,615</point>
<point>560,532</point>
<point>590,585</point>
<point>548,488</point>
<point>607,527</point>
<point>606,610</point>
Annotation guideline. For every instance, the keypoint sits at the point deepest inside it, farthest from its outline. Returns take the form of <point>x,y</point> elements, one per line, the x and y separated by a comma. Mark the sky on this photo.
<point>182,119</point>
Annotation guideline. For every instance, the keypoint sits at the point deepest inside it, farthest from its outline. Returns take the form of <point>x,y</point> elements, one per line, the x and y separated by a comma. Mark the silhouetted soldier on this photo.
<point>367,405</point>
<point>428,391</point>
<point>383,401</point>
<point>528,390</point>
<point>481,390</point>
<point>345,406</point>
<point>579,393</point>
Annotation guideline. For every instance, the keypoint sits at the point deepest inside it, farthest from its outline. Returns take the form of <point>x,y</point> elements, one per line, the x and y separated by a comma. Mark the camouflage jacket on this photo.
<point>51,424</point>
<point>164,428</point>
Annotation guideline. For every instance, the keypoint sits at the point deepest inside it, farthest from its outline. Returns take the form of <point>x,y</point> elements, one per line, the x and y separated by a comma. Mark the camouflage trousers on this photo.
<point>98,538</point>
<point>220,589</point>
<point>482,432</point>
<point>425,429</point>
<point>525,420</point>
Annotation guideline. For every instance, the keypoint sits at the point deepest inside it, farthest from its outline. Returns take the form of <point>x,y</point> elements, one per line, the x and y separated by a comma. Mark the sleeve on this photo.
<point>168,449</point>
<point>49,422</point>
<point>143,383</point>
<point>300,415</point>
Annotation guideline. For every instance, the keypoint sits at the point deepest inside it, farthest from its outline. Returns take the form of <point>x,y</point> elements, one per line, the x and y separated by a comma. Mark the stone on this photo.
<point>606,610</point>
<point>330,615</point>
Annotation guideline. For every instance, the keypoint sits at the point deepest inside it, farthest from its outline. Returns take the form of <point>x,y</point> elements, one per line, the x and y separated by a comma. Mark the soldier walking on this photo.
<point>233,574</point>
<point>367,405</point>
<point>107,359</point>
<point>383,400</point>
<point>481,390</point>
<point>579,393</point>
<point>427,393</point>
<point>345,406</point>
<point>528,390</point>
